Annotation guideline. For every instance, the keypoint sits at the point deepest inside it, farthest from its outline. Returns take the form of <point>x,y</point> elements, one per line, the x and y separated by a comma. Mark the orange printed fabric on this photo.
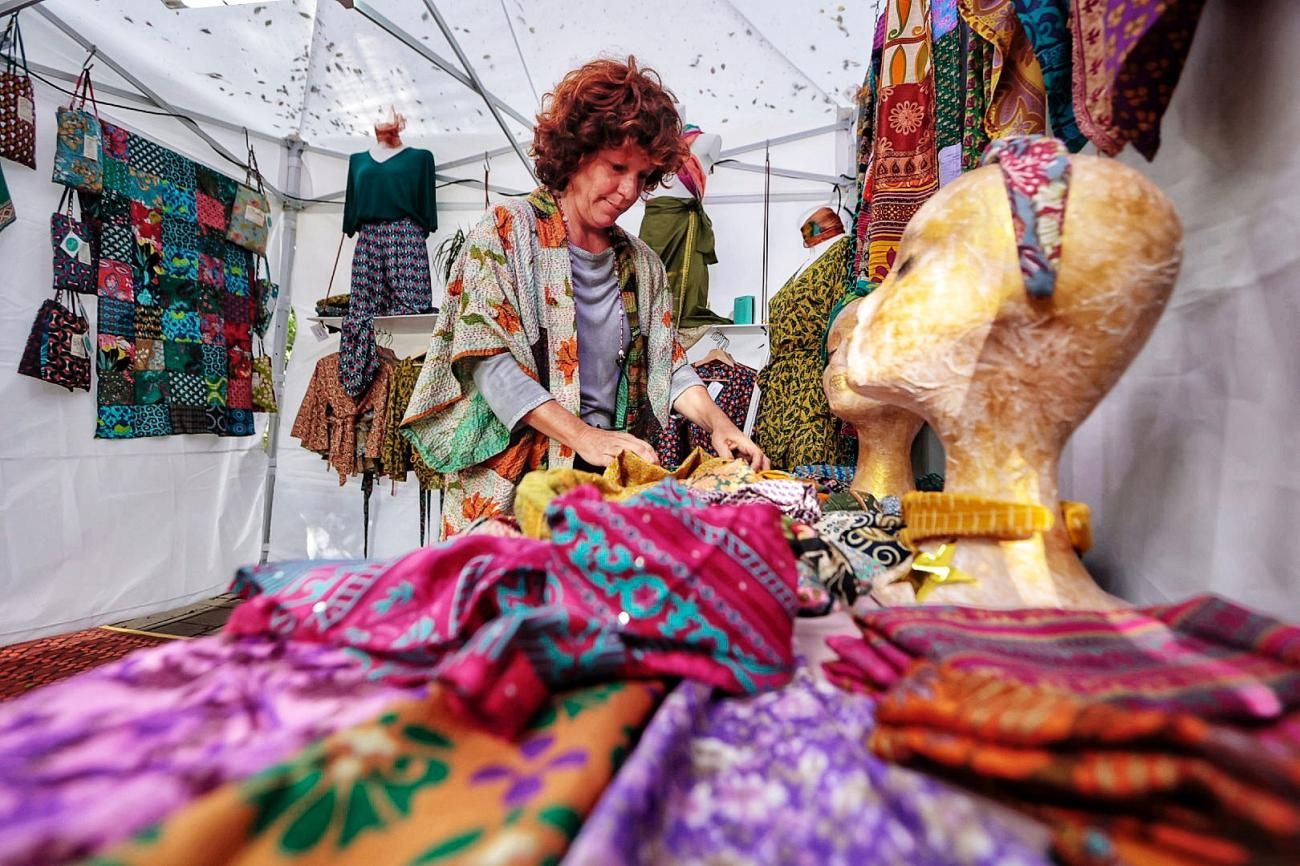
<point>1018,97</point>
<point>905,164</point>
<point>1191,791</point>
<point>416,785</point>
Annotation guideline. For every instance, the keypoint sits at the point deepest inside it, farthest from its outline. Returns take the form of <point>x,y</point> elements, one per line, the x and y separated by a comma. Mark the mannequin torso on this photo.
<point>885,433</point>
<point>382,152</point>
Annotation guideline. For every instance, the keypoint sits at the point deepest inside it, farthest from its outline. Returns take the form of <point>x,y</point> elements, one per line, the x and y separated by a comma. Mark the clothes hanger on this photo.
<point>719,352</point>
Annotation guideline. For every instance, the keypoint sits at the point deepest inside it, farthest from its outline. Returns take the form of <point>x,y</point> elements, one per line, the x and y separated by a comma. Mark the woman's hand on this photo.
<point>696,404</point>
<point>729,442</point>
<point>598,447</point>
<point>601,447</point>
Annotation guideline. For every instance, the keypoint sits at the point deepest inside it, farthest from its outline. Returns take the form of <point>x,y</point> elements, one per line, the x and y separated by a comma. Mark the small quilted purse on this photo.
<point>74,263</point>
<point>250,217</point>
<point>17,101</point>
<point>77,149</point>
<point>58,348</point>
<point>263,385</point>
<point>265,293</point>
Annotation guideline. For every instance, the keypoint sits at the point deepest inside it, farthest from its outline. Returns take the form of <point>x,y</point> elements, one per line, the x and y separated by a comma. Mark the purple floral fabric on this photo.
<point>90,760</point>
<point>786,777</point>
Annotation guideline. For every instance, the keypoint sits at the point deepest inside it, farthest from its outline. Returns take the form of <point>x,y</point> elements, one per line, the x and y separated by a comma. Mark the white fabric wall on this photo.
<point>1191,465</point>
<point>95,531</point>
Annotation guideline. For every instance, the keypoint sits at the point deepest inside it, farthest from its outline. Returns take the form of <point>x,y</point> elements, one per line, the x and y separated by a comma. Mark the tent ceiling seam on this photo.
<point>520,52</point>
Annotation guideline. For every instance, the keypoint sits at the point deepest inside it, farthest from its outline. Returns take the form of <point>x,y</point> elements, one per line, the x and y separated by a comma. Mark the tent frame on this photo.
<point>291,196</point>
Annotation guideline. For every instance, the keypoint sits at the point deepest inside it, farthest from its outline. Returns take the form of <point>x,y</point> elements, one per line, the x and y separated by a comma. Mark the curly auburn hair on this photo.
<point>607,103</point>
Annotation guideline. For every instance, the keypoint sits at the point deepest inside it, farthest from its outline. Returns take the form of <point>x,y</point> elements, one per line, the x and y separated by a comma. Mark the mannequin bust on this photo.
<point>1004,378</point>
<point>885,433</point>
<point>707,148</point>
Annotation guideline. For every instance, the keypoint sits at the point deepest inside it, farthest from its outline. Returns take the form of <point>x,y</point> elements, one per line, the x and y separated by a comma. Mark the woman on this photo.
<point>556,346</point>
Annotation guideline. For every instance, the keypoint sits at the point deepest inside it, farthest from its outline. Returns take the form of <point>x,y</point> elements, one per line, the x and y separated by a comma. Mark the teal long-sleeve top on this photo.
<point>401,187</point>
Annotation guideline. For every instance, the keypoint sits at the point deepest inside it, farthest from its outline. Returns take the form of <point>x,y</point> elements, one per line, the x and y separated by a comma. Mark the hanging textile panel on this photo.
<point>175,298</point>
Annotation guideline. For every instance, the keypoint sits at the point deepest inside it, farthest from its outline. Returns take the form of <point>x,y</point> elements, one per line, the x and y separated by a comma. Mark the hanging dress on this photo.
<point>795,426</point>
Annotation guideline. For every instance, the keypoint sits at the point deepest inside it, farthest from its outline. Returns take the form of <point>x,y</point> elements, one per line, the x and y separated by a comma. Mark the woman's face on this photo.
<point>606,184</point>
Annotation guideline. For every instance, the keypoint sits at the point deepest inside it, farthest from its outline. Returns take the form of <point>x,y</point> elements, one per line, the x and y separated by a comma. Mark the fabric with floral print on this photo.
<point>416,785</point>
<point>905,162</point>
<point>785,777</point>
<point>510,291</point>
<point>679,437</point>
<point>1016,96</point>
<point>88,761</point>
<point>1036,171</point>
<point>1128,57</point>
<point>77,162</point>
<point>619,591</point>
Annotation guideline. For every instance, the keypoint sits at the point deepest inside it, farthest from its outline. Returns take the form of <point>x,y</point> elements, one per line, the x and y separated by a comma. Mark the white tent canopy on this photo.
<point>96,531</point>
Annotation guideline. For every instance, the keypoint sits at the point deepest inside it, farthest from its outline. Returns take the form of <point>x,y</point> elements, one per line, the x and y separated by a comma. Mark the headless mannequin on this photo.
<point>1004,378</point>
<point>707,148</point>
<point>388,137</point>
<point>885,433</point>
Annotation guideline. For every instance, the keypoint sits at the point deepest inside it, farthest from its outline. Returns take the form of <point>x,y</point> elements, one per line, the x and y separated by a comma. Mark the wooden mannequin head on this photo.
<point>885,433</point>
<point>1005,378</point>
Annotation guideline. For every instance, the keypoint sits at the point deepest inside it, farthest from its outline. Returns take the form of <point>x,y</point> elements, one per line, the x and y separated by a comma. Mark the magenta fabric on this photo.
<point>88,761</point>
<point>619,590</point>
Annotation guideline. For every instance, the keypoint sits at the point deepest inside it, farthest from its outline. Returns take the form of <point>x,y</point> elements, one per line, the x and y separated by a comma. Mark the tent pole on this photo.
<point>467,160</point>
<point>786,139</point>
<point>478,85</point>
<point>8,6</point>
<point>294,147</point>
<point>428,54</point>
<point>144,88</point>
<point>735,165</point>
<point>101,89</point>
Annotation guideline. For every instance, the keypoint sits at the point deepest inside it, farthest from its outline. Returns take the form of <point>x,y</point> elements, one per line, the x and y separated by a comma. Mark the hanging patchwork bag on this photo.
<point>264,295</point>
<point>263,385</point>
<point>74,264</point>
<point>17,102</point>
<point>58,348</point>
<point>250,218</point>
<point>77,150</point>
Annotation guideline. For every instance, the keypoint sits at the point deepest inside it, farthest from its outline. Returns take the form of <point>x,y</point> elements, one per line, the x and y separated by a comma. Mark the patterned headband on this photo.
<point>1036,171</point>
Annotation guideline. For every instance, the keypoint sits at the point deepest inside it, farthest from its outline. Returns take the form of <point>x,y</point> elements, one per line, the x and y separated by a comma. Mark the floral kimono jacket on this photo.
<point>511,291</point>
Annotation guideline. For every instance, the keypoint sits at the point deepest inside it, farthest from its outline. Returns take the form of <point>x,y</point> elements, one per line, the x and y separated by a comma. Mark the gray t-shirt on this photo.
<point>602,334</point>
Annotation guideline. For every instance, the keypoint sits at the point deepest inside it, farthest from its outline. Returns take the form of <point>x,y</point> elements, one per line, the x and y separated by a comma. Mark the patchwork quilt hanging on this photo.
<point>174,348</point>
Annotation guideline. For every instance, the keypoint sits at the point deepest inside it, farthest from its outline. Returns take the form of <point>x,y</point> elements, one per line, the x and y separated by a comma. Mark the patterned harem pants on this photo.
<point>390,277</point>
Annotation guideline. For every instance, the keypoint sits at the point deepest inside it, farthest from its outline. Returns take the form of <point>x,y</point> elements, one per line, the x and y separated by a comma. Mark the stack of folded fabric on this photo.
<point>464,702</point>
<point>1167,734</point>
<point>334,305</point>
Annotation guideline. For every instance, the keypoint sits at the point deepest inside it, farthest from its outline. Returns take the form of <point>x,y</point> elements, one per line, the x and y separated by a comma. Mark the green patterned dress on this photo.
<point>795,426</point>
